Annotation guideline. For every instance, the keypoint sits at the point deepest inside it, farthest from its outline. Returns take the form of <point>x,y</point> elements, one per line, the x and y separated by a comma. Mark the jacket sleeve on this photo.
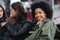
<point>52,30</point>
<point>20,28</point>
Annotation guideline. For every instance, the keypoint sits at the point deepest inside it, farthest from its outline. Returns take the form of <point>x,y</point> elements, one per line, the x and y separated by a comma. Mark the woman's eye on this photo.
<point>35,13</point>
<point>0,10</point>
<point>40,12</point>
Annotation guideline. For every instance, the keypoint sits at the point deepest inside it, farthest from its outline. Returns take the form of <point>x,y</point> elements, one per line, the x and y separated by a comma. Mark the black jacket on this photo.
<point>17,32</point>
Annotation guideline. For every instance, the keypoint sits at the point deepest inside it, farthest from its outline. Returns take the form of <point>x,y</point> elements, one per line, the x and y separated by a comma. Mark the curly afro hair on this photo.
<point>44,6</point>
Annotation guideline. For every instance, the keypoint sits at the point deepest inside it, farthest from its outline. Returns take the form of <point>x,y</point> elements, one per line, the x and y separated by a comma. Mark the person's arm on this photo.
<point>53,29</point>
<point>2,25</point>
<point>20,30</point>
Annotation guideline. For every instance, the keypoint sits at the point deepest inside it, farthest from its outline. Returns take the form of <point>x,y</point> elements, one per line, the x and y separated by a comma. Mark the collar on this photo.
<point>42,22</point>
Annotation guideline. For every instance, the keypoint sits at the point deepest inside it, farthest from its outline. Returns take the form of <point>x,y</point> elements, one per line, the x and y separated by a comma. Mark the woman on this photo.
<point>2,20</point>
<point>42,13</point>
<point>17,26</point>
<point>2,14</point>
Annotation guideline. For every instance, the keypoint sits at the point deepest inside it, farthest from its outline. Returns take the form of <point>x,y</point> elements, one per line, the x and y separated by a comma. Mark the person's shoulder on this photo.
<point>27,20</point>
<point>51,21</point>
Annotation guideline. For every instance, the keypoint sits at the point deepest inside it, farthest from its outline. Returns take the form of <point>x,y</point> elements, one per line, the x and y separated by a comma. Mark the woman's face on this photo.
<point>13,12</point>
<point>1,12</point>
<point>40,15</point>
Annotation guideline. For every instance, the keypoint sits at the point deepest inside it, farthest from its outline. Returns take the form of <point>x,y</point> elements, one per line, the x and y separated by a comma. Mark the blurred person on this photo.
<point>17,26</point>
<point>29,15</point>
<point>58,2</point>
<point>28,9</point>
<point>3,18</point>
<point>2,14</point>
<point>42,13</point>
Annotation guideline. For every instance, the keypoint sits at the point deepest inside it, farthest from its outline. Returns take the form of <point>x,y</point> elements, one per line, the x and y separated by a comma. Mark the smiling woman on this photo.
<point>2,21</point>
<point>2,13</point>
<point>40,15</point>
<point>42,12</point>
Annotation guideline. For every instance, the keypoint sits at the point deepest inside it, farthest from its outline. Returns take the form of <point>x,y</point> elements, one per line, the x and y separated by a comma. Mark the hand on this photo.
<point>3,24</point>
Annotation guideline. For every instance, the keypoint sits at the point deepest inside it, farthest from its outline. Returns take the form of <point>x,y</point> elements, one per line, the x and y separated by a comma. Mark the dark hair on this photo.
<point>44,6</point>
<point>17,6</point>
<point>4,14</point>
